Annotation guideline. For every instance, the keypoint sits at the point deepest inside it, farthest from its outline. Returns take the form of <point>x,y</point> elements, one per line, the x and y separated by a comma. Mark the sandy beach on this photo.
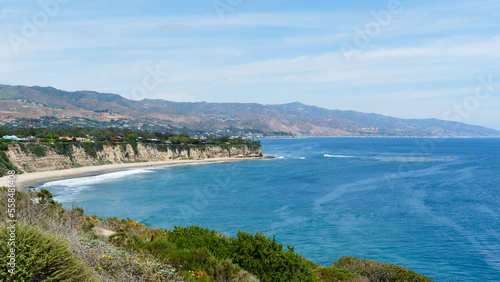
<point>25,179</point>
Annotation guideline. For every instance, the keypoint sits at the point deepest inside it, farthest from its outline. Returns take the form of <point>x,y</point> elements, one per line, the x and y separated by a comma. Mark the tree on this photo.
<point>97,134</point>
<point>130,137</point>
<point>45,197</point>
<point>53,136</point>
<point>5,131</point>
<point>32,131</point>
<point>175,140</point>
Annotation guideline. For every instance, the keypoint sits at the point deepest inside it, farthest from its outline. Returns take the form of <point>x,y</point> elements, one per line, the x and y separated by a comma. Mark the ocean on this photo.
<point>431,205</point>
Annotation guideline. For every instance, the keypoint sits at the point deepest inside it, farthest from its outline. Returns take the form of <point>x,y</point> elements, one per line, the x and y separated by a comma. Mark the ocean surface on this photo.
<point>431,205</point>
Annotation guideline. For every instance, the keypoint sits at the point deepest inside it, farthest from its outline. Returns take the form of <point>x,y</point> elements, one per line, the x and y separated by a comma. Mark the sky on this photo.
<point>407,59</point>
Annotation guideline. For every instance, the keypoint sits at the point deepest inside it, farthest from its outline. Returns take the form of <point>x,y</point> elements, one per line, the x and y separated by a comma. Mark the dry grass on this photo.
<point>103,260</point>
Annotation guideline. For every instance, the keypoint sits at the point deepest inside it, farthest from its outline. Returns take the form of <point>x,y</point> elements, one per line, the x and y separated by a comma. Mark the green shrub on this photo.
<point>378,271</point>
<point>258,254</point>
<point>4,146</point>
<point>133,143</point>
<point>267,259</point>
<point>23,148</point>
<point>123,146</point>
<point>160,248</point>
<point>193,261</point>
<point>36,149</point>
<point>91,149</point>
<point>162,147</point>
<point>41,256</point>
<point>6,165</point>
<point>45,197</point>
<point>63,148</point>
<point>87,226</point>
<point>331,273</point>
<point>195,237</point>
<point>219,270</point>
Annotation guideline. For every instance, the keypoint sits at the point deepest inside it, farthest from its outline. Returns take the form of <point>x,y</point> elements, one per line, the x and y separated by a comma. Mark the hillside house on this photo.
<point>11,137</point>
<point>154,141</point>
<point>29,139</point>
<point>117,139</point>
<point>82,139</point>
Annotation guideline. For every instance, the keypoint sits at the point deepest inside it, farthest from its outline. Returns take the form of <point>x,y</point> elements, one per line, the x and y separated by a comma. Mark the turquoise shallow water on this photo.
<point>432,205</point>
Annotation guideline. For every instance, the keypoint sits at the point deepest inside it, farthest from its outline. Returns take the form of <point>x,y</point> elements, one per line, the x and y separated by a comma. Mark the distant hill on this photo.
<point>19,105</point>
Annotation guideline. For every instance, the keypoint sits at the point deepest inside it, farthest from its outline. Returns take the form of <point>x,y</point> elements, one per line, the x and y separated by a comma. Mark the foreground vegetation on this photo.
<point>57,244</point>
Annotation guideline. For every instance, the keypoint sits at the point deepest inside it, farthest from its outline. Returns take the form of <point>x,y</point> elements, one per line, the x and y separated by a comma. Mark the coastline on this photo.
<point>25,179</point>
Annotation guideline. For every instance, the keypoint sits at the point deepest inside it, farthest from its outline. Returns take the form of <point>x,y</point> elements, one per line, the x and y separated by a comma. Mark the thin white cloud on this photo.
<point>426,63</point>
<point>8,12</point>
<point>435,45</point>
<point>480,47</point>
<point>410,95</point>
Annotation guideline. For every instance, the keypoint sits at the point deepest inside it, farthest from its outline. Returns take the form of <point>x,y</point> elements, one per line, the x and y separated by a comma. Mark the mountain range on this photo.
<point>23,105</point>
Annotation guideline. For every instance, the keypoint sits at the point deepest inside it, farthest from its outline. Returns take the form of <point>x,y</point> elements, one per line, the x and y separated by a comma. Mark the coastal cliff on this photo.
<point>38,158</point>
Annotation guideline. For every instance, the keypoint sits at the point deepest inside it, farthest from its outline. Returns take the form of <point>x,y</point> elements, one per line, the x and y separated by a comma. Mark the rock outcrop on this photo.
<point>28,161</point>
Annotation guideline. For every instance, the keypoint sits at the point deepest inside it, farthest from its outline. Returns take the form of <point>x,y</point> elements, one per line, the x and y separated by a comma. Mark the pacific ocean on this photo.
<point>431,205</point>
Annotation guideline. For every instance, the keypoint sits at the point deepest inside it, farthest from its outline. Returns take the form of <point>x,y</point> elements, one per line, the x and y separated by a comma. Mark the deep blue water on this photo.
<point>432,205</point>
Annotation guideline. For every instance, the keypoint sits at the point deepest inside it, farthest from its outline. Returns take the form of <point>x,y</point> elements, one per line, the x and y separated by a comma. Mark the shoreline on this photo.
<point>25,179</point>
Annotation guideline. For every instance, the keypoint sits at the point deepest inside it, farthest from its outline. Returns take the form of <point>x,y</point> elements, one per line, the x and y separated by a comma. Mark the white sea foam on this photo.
<point>413,159</point>
<point>337,156</point>
<point>162,167</point>
<point>399,158</point>
<point>90,180</point>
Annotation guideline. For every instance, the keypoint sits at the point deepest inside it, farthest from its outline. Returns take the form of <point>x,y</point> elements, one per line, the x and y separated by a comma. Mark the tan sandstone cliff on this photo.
<point>27,161</point>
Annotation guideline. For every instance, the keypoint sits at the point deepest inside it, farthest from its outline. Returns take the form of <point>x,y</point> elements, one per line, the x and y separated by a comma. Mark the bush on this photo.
<point>63,148</point>
<point>159,248</point>
<point>46,197</point>
<point>378,271</point>
<point>267,259</point>
<point>6,165</point>
<point>4,146</point>
<point>195,237</point>
<point>331,273</point>
<point>133,144</point>
<point>198,262</point>
<point>91,149</point>
<point>41,255</point>
<point>37,150</point>
<point>258,254</point>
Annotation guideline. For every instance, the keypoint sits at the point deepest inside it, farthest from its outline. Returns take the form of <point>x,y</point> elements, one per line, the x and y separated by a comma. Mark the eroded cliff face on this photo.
<point>27,161</point>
